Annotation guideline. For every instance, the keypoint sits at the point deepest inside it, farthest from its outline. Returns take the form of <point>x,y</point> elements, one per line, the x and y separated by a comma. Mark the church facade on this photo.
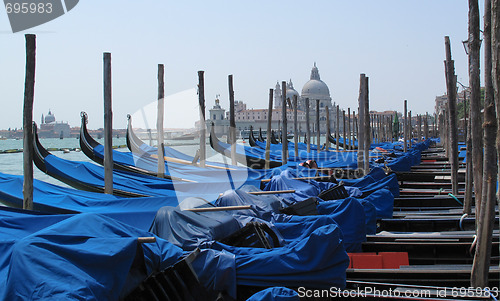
<point>50,128</point>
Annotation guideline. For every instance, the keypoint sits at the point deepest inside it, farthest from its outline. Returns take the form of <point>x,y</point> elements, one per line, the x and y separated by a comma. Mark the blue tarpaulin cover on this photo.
<point>303,259</point>
<point>82,257</point>
<point>275,294</point>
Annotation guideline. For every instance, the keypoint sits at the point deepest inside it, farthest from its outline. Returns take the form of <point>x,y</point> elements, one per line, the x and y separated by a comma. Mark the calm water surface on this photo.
<point>13,163</point>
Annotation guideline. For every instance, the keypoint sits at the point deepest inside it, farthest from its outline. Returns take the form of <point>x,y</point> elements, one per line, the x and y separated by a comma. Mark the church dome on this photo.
<point>315,88</point>
<point>50,117</point>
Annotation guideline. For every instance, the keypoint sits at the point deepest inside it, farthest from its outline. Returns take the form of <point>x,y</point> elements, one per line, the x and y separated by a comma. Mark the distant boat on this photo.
<point>184,137</point>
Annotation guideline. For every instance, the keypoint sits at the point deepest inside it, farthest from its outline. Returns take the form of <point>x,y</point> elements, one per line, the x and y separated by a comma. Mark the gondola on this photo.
<point>348,146</point>
<point>88,145</point>
<point>242,158</point>
<point>261,138</point>
<point>251,138</point>
<point>144,151</point>
<point>88,176</point>
<point>273,138</point>
<point>39,156</point>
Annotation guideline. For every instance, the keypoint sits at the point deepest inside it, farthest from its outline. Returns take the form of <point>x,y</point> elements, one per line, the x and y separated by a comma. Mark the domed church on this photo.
<point>315,89</point>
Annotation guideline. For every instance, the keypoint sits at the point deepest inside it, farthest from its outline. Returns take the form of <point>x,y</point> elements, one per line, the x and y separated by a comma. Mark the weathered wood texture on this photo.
<point>308,127</point>
<point>486,218</point>
<point>318,143</point>
<point>108,126</point>
<point>29,96</point>
<point>159,121</point>
<point>201,104</point>
<point>451,85</point>
<point>232,121</point>
<point>295,129</point>
<point>284,131</point>
<point>268,133</point>
<point>475,101</point>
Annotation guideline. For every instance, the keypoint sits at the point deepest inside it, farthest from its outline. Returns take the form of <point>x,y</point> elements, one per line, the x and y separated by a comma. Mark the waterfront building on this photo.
<point>245,118</point>
<point>51,128</point>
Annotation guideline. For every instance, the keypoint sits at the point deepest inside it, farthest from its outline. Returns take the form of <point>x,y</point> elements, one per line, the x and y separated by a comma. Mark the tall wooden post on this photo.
<point>284,140</point>
<point>29,96</point>
<point>468,170</point>
<point>426,125</point>
<point>475,101</point>
<point>405,128</point>
<point>108,127</point>
<point>390,128</point>
<point>317,126</point>
<point>295,129</point>
<point>344,145</point>
<point>435,125</point>
<point>349,142</point>
<point>367,143</point>
<point>201,102</point>
<point>361,123</point>
<point>452,108</point>
<point>486,218</point>
<point>337,137</point>
<point>159,121</point>
<point>308,128</point>
<point>495,50</point>
<point>328,131</point>
<point>232,122</point>
<point>410,129</point>
<point>268,133</point>
<point>352,129</point>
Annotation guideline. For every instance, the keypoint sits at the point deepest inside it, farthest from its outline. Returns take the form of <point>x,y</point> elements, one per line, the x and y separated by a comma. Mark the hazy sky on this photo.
<point>398,44</point>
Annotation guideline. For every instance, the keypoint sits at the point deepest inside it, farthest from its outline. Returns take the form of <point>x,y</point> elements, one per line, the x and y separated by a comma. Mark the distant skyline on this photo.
<point>398,44</point>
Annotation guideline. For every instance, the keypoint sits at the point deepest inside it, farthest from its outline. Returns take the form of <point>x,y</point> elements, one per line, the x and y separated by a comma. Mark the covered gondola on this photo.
<point>90,147</point>
<point>348,146</point>
<point>40,157</point>
<point>247,159</point>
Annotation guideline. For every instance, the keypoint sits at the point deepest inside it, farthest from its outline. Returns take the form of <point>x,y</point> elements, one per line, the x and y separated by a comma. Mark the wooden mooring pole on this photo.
<point>349,128</point>
<point>475,102</point>
<point>295,129</point>
<point>268,133</point>
<point>308,127</point>
<point>337,136</point>
<point>367,143</point>
<point>328,131</point>
<point>361,124</point>
<point>405,128</point>
<point>426,125</point>
<point>468,170</point>
<point>318,126</point>
<point>108,126</point>
<point>486,218</point>
<point>284,138</point>
<point>344,144</point>
<point>232,122</point>
<point>159,122</point>
<point>410,130</point>
<point>29,96</point>
<point>452,108</point>
<point>201,102</point>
